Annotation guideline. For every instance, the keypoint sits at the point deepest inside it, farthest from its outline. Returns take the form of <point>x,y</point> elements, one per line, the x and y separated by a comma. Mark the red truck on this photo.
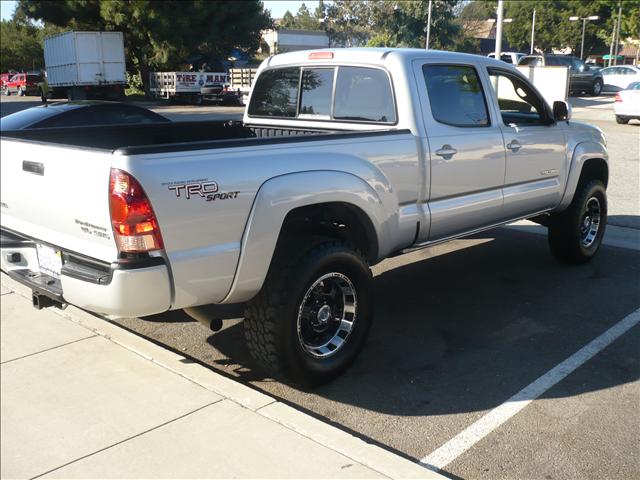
<point>22,84</point>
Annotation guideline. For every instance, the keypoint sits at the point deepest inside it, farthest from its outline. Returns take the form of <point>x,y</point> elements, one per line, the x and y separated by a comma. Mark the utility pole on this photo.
<point>613,39</point>
<point>499,29</point>
<point>533,29</point>
<point>428,26</point>
<point>615,54</point>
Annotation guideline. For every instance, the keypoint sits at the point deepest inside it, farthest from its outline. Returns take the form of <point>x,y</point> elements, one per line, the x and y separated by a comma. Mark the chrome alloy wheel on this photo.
<point>590,223</point>
<point>327,315</point>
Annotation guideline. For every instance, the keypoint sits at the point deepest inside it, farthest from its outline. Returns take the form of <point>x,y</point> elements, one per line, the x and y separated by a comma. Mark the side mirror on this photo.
<point>561,111</point>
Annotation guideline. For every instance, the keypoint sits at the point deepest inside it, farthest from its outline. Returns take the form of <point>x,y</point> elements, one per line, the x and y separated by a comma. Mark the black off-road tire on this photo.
<point>565,236</point>
<point>271,318</point>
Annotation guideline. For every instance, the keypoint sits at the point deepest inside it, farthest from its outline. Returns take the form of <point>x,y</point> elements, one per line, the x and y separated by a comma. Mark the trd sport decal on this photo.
<point>199,188</point>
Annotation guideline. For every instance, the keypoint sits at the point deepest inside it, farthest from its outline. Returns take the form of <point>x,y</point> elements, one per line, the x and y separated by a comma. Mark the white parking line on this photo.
<point>475,432</point>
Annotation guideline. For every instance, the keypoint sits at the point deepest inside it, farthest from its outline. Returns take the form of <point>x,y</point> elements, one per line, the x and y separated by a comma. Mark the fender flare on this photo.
<point>280,195</point>
<point>583,152</point>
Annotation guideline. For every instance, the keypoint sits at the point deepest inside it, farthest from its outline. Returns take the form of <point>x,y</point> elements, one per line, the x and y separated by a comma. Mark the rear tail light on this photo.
<point>618,97</point>
<point>135,227</point>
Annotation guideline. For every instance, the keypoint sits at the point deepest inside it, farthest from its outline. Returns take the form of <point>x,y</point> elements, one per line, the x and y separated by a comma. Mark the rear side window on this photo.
<point>363,94</point>
<point>317,88</point>
<point>276,93</point>
<point>456,95</point>
<point>357,94</point>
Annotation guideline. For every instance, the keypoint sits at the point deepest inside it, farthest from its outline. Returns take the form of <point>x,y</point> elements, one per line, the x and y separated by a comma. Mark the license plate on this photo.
<point>49,260</point>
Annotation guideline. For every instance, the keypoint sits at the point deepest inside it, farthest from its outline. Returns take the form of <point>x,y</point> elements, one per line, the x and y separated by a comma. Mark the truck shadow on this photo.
<point>465,331</point>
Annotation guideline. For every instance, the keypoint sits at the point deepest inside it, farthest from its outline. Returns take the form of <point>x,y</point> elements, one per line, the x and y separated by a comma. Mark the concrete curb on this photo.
<point>371,456</point>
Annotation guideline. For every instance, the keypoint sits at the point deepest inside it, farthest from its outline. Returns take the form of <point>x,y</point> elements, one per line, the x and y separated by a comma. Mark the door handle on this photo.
<point>446,152</point>
<point>514,146</point>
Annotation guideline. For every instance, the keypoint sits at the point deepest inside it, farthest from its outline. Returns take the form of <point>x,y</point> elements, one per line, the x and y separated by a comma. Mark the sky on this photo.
<point>6,9</point>
<point>277,7</point>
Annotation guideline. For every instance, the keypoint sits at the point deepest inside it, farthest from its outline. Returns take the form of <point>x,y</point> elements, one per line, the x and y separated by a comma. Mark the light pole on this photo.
<point>584,24</point>
<point>500,21</point>
<point>428,26</point>
<point>533,29</point>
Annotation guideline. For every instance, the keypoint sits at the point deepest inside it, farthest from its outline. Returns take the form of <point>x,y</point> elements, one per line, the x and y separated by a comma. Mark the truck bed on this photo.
<point>171,136</point>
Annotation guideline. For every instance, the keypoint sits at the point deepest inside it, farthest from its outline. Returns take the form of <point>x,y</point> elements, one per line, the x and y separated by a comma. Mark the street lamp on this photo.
<point>584,23</point>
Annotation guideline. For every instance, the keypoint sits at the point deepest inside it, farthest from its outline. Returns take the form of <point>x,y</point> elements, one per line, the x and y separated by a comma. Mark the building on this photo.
<point>284,40</point>
<point>484,31</point>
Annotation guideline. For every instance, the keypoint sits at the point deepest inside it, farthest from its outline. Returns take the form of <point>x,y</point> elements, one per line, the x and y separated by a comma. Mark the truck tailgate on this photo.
<point>58,195</point>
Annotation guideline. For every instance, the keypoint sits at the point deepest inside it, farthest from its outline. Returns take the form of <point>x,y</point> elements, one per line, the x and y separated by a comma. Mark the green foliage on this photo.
<point>554,30</point>
<point>304,19</point>
<point>393,23</point>
<point>162,34</point>
<point>21,43</point>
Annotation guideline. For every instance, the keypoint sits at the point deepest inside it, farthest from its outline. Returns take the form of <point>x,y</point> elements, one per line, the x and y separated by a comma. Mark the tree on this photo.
<point>21,43</point>
<point>288,20</point>
<point>304,20</point>
<point>162,34</point>
<point>554,30</point>
<point>393,23</point>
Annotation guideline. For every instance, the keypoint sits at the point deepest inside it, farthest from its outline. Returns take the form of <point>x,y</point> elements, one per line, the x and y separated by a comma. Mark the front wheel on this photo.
<point>20,92</point>
<point>621,120</point>
<point>575,235</point>
<point>312,316</point>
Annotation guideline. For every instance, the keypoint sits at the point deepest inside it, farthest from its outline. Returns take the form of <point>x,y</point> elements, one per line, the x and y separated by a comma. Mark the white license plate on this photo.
<point>49,260</point>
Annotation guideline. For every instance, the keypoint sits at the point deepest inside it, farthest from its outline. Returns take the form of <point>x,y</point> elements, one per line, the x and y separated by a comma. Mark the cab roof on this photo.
<point>373,56</point>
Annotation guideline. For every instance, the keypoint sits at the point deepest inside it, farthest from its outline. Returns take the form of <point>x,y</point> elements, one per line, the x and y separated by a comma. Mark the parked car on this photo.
<point>582,78</point>
<point>509,57</point>
<point>344,158</point>
<point>627,104</point>
<point>22,84</point>
<point>4,78</point>
<point>619,77</point>
<point>77,114</point>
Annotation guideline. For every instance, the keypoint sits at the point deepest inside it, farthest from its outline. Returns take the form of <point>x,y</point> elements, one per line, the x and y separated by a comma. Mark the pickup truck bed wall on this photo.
<point>172,136</point>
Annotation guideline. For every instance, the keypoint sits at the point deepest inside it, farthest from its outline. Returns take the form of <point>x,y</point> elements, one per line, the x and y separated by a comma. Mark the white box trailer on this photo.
<point>84,64</point>
<point>192,87</point>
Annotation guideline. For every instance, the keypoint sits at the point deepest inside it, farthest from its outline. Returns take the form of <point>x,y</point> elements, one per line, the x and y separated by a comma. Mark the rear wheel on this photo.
<point>20,92</point>
<point>312,316</point>
<point>622,120</point>
<point>596,88</point>
<point>575,235</point>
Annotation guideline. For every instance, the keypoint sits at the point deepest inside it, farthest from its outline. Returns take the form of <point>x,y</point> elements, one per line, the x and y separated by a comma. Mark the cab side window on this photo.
<point>456,95</point>
<point>519,104</point>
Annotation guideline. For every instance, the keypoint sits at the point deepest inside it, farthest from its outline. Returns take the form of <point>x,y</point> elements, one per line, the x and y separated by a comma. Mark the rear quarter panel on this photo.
<point>203,238</point>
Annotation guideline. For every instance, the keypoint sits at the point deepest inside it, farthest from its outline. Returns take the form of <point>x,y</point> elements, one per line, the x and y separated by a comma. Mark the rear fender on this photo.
<point>277,197</point>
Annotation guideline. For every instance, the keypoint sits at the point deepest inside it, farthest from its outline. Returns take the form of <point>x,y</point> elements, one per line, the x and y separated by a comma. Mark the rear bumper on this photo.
<point>125,288</point>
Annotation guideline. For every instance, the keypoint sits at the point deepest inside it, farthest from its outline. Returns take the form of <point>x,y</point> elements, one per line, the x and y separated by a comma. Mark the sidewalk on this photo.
<point>82,398</point>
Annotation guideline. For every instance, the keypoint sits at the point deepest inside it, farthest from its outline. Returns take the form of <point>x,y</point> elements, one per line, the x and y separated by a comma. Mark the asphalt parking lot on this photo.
<point>462,327</point>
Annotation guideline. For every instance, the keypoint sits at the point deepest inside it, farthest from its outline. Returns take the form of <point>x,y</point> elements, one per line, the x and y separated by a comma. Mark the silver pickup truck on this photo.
<point>344,157</point>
